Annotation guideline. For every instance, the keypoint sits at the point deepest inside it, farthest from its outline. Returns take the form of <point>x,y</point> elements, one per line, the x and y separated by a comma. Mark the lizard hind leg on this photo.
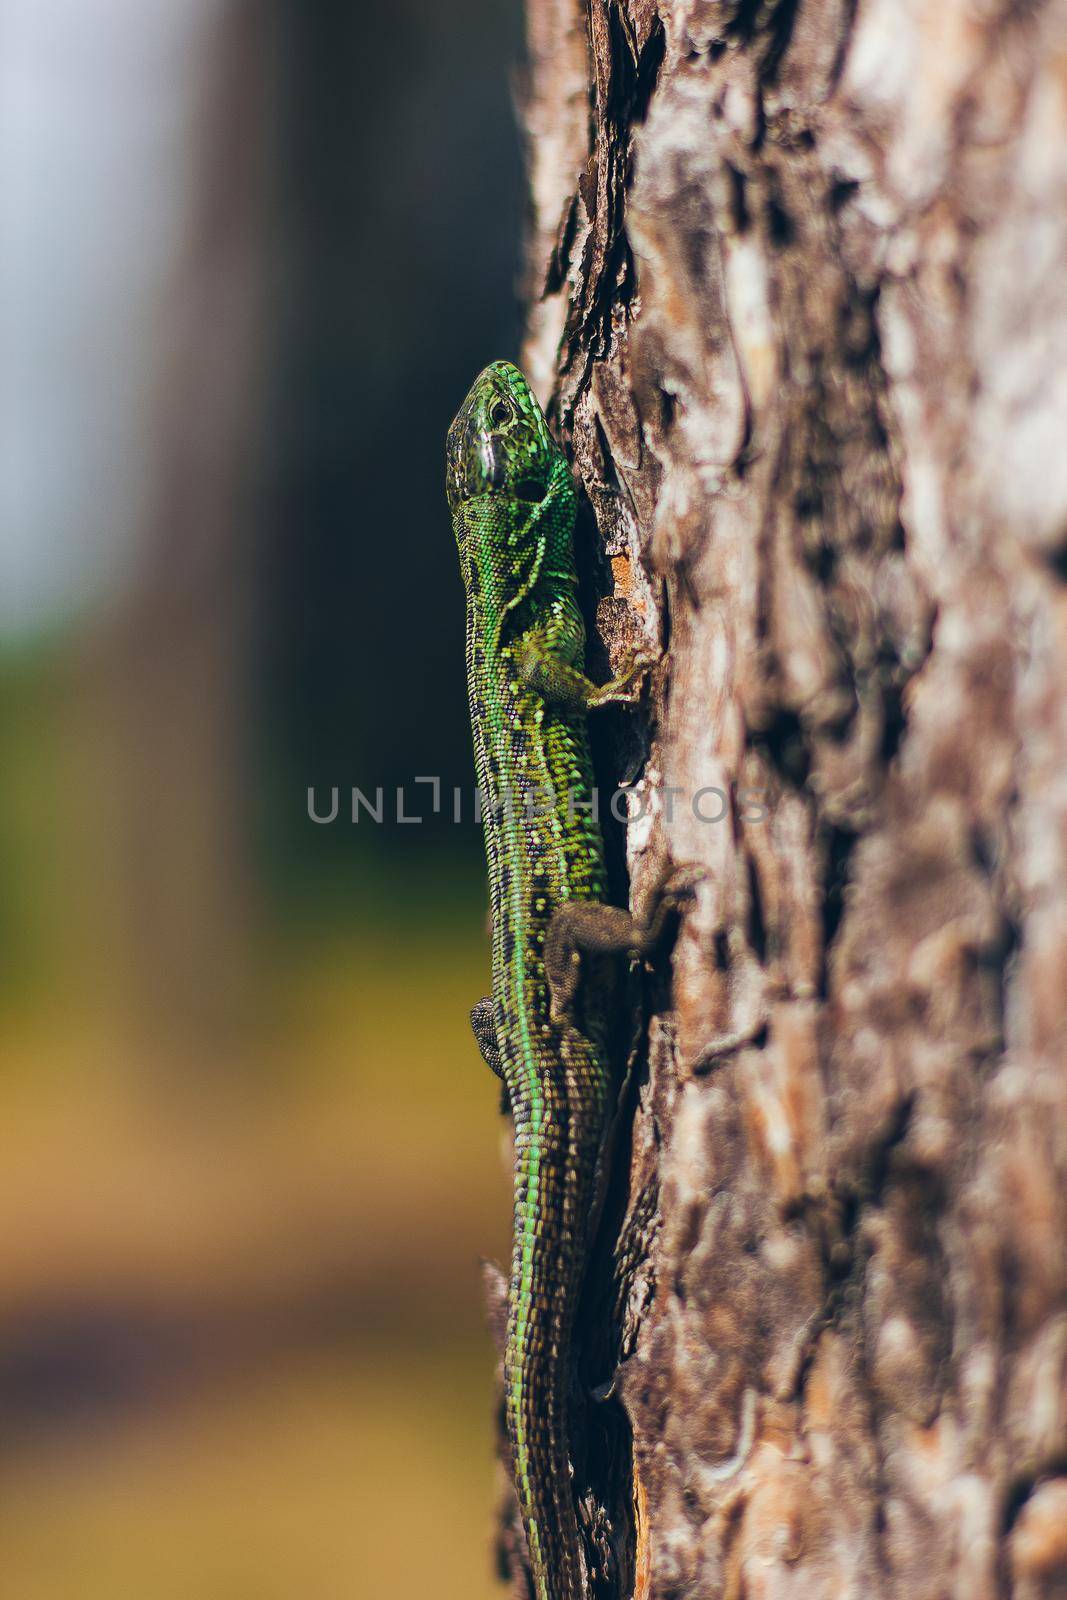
<point>577,926</point>
<point>590,927</point>
<point>483,1027</point>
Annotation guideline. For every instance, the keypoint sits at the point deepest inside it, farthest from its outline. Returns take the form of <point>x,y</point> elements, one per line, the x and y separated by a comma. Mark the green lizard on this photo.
<point>513,508</point>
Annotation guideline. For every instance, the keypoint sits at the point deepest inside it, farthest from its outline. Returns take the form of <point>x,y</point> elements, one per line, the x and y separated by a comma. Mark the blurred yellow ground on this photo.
<point>312,1481</point>
<point>286,1238</point>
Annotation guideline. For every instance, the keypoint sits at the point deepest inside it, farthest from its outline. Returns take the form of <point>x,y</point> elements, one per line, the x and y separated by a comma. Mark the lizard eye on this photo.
<point>499,413</point>
<point>529,489</point>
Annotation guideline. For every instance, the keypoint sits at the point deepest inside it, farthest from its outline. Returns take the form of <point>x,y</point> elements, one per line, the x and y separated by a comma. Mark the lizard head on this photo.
<point>499,443</point>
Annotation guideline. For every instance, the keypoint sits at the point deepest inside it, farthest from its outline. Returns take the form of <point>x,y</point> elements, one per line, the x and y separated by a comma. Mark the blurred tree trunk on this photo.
<point>176,696</point>
<point>805,268</point>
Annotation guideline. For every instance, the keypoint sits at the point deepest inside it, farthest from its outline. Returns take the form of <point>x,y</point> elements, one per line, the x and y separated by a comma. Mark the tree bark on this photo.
<point>798,287</point>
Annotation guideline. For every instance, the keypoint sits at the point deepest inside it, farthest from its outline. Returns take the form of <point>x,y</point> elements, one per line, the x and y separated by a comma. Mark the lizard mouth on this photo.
<point>499,444</point>
<point>473,467</point>
<point>480,463</point>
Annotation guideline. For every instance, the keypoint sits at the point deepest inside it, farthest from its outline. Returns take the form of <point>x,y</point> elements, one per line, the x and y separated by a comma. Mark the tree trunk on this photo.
<point>798,286</point>
<point>170,665</point>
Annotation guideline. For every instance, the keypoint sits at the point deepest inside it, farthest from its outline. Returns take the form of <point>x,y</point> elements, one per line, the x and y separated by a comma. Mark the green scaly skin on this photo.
<point>513,509</point>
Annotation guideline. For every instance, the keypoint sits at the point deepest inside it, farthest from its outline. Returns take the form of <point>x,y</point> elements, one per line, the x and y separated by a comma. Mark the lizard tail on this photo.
<point>553,1197</point>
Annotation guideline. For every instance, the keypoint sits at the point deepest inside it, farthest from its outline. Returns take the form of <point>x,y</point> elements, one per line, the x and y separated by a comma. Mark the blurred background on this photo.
<point>252,253</point>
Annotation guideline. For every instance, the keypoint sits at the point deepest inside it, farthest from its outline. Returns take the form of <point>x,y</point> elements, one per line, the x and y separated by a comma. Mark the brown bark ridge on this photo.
<point>798,277</point>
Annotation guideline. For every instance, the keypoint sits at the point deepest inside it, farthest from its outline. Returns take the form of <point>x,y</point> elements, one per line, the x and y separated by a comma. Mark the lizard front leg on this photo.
<point>545,661</point>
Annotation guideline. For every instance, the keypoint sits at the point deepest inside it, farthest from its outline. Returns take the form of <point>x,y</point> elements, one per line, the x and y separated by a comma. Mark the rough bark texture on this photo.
<point>798,276</point>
